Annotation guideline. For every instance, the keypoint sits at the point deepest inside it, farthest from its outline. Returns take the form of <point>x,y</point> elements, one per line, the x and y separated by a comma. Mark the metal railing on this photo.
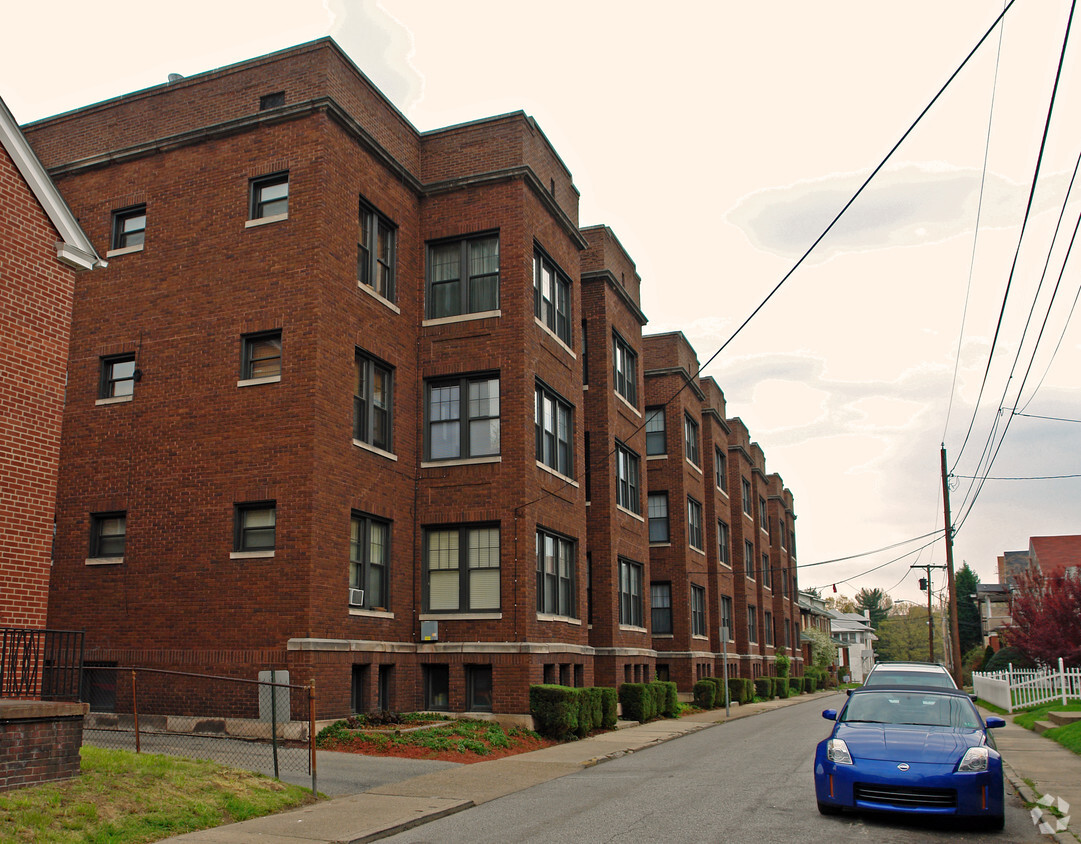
<point>265,725</point>
<point>40,664</point>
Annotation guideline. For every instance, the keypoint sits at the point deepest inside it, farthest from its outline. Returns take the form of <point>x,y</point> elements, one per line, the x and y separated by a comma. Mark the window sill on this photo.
<point>697,550</point>
<point>124,250</point>
<point>250,555</point>
<point>726,565</point>
<point>113,400</point>
<point>494,615</point>
<point>722,491</point>
<point>253,382</point>
<point>363,613</point>
<point>630,628</point>
<point>700,637</point>
<point>664,636</point>
<point>467,461</point>
<point>632,408</point>
<point>660,545</point>
<point>461,318</point>
<point>375,450</point>
<point>560,475</point>
<point>566,619</point>
<point>383,300</point>
<point>656,457</point>
<point>263,221</point>
<point>104,561</point>
<point>690,463</point>
<point>630,513</point>
<point>555,337</point>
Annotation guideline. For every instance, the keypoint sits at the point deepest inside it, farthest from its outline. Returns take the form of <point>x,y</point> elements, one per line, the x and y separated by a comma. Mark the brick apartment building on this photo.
<point>367,404</point>
<point>41,249</point>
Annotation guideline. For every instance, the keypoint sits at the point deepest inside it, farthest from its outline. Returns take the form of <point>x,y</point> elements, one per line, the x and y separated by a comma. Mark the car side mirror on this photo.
<point>994,721</point>
<point>974,698</point>
<point>848,692</point>
<point>831,715</point>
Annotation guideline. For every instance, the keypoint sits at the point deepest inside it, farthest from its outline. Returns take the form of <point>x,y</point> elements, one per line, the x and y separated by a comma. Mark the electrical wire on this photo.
<point>882,566</point>
<point>1031,478</point>
<point>1051,418</point>
<point>869,553</point>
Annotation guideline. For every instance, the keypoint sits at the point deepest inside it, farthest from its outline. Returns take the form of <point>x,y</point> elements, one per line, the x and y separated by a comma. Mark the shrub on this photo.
<point>718,697</point>
<point>741,689</point>
<point>810,683</point>
<point>609,701</point>
<point>780,687</point>
<point>1006,657</point>
<point>795,685</point>
<point>705,694</point>
<point>987,654</point>
<point>589,710</point>
<point>763,688</point>
<point>555,709</point>
<point>637,700</point>
<point>666,697</point>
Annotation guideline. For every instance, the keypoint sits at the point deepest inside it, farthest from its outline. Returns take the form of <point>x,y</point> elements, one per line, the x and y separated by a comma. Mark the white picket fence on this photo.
<point>1018,688</point>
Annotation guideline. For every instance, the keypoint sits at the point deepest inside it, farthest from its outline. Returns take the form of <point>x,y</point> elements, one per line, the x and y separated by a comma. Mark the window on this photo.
<point>720,469</point>
<point>748,559</point>
<point>625,363</point>
<point>553,419</point>
<point>463,277</point>
<point>630,593</point>
<point>458,429</point>
<point>660,601</point>
<point>269,196</point>
<point>787,634</point>
<point>108,533</point>
<point>752,624</point>
<point>698,611</point>
<point>694,524</point>
<point>369,554</point>
<point>437,687</point>
<point>656,441</point>
<point>585,355</point>
<point>261,355</point>
<point>272,100</point>
<point>478,688</point>
<point>627,495</point>
<point>767,627</point>
<point>745,486</point>
<point>372,402</point>
<point>117,376</point>
<point>763,522</point>
<point>784,535</point>
<point>723,552</point>
<point>690,436</point>
<point>375,251</point>
<point>462,568</point>
<point>657,510</point>
<point>552,297</point>
<point>726,615</point>
<point>556,575</point>
<point>129,227</point>
<point>254,527</point>
<point>589,472</point>
<point>767,577</point>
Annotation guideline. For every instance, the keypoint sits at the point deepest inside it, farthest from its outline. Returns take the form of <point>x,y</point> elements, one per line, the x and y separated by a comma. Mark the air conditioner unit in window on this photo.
<point>356,597</point>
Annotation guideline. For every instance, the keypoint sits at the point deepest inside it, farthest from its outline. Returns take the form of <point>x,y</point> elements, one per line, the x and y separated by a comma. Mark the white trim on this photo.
<point>566,619</point>
<point>633,409</point>
<point>374,449</point>
<point>723,492</point>
<point>696,550</point>
<point>623,509</point>
<point>656,457</point>
<point>630,628</point>
<point>664,635</point>
<point>250,555</point>
<point>461,318</point>
<point>495,615</point>
<point>252,382</point>
<point>660,545</point>
<point>698,469</point>
<point>464,461</point>
<point>356,611</point>
<point>699,636</point>
<point>367,288</point>
<point>113,400</point>
<point>104,561</point>
<point>262,221</point>
<point>560,475</point>
<point>555,337</point>
<point>124,250</point>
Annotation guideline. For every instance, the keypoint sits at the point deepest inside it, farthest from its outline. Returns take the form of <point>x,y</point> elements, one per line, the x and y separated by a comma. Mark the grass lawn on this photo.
<point>1069,736</point>
<point>128,798</point>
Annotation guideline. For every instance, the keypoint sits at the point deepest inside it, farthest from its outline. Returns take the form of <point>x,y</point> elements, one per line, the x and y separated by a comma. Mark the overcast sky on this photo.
<point>718,140</point>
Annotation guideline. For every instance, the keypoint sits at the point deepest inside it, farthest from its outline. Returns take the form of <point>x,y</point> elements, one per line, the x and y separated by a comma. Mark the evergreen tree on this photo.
<point>968,611</point>
<point>876,602</point>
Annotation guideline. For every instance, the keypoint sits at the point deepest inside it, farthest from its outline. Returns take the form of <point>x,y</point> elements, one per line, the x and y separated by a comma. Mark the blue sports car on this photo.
<point>915,750</point>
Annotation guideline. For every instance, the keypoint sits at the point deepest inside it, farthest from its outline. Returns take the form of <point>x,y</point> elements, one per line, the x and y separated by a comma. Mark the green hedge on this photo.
<point>810,683</point>
<point>718,697</point>
<point>763,688</point>
<point>609,703</point>
<point>646,701</point>
<point>741,689</point>
<point>795,684</point>
<point>780,687</point>
<point>705,694</point>
<point>559,711</point>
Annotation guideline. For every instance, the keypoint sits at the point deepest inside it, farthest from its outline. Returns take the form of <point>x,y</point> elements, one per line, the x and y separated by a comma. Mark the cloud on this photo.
<point>911,205</point>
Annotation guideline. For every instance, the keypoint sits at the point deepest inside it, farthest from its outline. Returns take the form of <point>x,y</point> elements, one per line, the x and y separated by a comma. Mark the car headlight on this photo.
<point>837,752</point>
<point>975,759</point>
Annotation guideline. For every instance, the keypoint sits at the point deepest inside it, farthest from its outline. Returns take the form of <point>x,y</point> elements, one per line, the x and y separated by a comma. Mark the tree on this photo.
<point>841,603</point>
<point>876,602</point>
<point>968,611</point>
<point>823,651</point>
<point>902,637</point>
<point>1046,617</point>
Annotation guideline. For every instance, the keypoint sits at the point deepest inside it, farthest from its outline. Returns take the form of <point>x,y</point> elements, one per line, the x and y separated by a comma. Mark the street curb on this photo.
<point>410,824</point>
<point>1030,796</point>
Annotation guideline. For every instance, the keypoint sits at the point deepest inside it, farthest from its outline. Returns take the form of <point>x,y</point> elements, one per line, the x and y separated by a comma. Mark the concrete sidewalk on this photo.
<point>388,809</point>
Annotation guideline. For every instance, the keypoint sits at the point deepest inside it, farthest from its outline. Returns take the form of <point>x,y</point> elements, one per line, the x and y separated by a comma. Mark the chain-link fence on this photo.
<point>265,725</point>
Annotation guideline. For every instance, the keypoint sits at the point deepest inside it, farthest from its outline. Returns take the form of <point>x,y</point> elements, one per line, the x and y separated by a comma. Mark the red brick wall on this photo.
<point>39,749</point>
<point>35,315</point>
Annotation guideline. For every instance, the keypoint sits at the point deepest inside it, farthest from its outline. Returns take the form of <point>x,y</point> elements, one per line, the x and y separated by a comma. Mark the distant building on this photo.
<point>853,630</point>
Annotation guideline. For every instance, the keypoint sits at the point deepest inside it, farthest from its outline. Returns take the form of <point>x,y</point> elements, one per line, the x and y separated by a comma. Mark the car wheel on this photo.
<point>827,809</point>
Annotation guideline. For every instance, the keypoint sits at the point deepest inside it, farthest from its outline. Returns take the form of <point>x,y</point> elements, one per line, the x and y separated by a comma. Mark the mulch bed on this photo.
<point>366,746</point>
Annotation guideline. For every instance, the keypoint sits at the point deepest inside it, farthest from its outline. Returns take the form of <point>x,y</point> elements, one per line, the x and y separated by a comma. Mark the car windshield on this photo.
<point>882,677</point>
<point>920,708</point>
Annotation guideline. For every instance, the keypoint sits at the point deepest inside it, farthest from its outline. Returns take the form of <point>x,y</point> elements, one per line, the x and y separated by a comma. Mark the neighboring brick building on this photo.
<point>345,382</point>
<point>41,248</point>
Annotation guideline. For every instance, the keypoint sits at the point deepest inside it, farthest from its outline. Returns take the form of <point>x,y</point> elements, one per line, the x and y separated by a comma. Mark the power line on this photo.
<point>1052,418</point>
<point>882,566</point>
<point>1030,478</point>
<point>869,553</point>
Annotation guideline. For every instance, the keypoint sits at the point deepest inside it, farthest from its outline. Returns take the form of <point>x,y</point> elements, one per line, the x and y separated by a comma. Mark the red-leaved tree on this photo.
<point>1046,613</point>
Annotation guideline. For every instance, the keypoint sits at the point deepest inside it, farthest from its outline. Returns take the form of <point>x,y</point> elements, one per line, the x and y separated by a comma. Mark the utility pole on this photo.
<point>930,613</point>
<point>955,648</point>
